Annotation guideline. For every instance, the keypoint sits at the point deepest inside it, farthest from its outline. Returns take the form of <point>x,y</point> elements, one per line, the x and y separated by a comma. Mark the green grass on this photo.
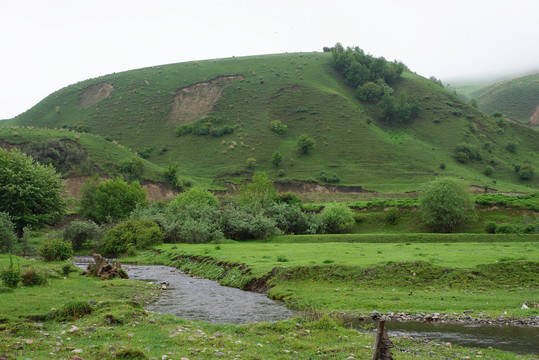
<point>118,327</point>
<point>309,96</point>
<point>516,98</point>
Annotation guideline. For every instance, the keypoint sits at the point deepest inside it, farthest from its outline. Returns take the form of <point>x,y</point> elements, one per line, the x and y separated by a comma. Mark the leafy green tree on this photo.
<point>526,172</point>
<point>110,200</point>
<point>259,192</point>
<point>131,235</point>
<point>170,174</point>
<point>337,218</point>
<point>30,193</point>
<point>250,163</point>
<point>276,158</point>
<point>305,144</point>
<point>8,240</point>
<point>278,127</point>
<point>196,196</point>
<point>446,204</point>
<point>370,91</point>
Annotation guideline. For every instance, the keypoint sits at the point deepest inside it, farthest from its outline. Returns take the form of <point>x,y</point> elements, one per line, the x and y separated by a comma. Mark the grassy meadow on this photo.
<point>306,94</point>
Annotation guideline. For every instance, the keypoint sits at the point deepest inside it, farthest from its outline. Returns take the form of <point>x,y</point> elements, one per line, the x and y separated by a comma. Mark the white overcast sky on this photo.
<point>47,45</point>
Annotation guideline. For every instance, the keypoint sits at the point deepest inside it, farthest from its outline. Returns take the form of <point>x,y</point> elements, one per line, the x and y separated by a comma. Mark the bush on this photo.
<point>328,177</point>
<point>278,127</point>
<point>129,235</point>
<point>442,166</point>
<point>245,223</point>
<point>305,144</point>
<point>110,200</point>
<point>470,150</point>
<point>288,218</point>
<point>370,91</point>
<point>250,163</point>
<point>193,231</point>
<point>462,157</point>
<point>489,171</point>
<point>526,172</point>
<point>31,277</point>
<point>195,196</point>
<point>490,227</point>
<point>79,232</point>
<point>56,249</point>
<point>506,229</point>
<point>10,276</point>
<point>511,147</point>
<point>392,215</point>
<point>281,173</point>
<point>445,204</point>
<point>8,240</point>
<point>337,218</point>
<point>290,198</point>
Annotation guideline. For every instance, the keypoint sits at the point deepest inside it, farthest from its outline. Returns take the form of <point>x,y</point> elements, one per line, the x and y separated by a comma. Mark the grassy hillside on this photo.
<point>141,109</point>
<point>517,99</point>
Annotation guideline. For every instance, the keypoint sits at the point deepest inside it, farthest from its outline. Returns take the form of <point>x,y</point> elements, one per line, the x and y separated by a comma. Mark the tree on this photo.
<point>196,196</point>
<point>276,158</point>
<point>305,144</point>
<point>8,240</point>
<point>370,91</point>
<point>30,193</point>
<point>337,217</point>
<point>445,204</point>
<point>250,163</point>
<point>171,174</point>
<point>110,200</point>
<point>260,192</point>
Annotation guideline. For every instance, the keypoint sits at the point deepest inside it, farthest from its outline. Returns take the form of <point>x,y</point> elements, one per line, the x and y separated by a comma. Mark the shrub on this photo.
<point>526,172</point>
<point>132,168</point>
<point>489,170</point>
<point>442,166</point>
<point>79,232</point>
<point>462,157</point>
<point>195,196</point>
<point>506,229</point>
<point>470,150</point>
<point>290,198</point>
<point>10,276</point>
<point>25,247</point>
<point>110,200</point>
<point>445,204</point>
<point>337,218</point>
<point>328,177</point>
<point>31,277</point>
<point>131,234</point>
<point>8,240</point>
<point>250,163</point>
<point>276,158</point>
<point>193,231</point>
<point>370,91</point>
<point>281,173</point>
<point>288,218</point>
<point>305,144</point>
<point>243,223</point>
<point>392,215</point>
<point>490,227</point>
<point>260,192</point>
<point>511,147</point>
<point>56,249</point>
<point>278,127</point>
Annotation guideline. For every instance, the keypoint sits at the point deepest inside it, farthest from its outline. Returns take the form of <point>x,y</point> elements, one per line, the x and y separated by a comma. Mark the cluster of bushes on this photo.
<point>372,77</point>
<point>492,227</point>
<point>466,152</point>
<point>205,126</point>
<point>278,127</point>
<point>328,177</point>
<point>131,168</point>
<point>525,172</point>
<point>66,156</point>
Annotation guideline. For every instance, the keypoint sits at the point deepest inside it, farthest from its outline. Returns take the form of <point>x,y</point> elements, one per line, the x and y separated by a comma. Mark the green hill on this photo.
<point>141,110</point>
<point>517,99</point>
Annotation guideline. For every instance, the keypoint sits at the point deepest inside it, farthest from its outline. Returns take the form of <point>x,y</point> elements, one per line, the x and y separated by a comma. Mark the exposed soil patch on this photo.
<point>302,187</point>
<point>95,93</point>
<point>195,101</point>
<point>6,145</point>
<point>155,191</point>
<point>534,120</point>
<point>159,191</point>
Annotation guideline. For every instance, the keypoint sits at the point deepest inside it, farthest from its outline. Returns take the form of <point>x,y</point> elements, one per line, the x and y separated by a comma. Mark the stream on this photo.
<point>196,298</point>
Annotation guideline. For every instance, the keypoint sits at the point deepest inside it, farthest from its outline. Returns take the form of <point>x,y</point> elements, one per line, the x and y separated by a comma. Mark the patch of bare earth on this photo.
<point>534,120</point>
<point>195,101</point>
<point>155,191</point>
<point>95,93</point>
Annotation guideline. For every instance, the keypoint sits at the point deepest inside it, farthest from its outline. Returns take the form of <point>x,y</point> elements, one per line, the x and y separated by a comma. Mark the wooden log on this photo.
<point>380,325</point>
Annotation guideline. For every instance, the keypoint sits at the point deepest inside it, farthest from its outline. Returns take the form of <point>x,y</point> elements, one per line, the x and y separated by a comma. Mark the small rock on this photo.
<point>524,307</point>
<point>77,351</point>
<point>448,344</point>
<point>73,329</point>
<point>75,357</point>
<point>29,341</point>
<point>112,348</point>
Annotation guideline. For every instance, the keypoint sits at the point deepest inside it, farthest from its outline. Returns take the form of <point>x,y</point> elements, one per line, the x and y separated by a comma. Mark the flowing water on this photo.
<point>201,299</point>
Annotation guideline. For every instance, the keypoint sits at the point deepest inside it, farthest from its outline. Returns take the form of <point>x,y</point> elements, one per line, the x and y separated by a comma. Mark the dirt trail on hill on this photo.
<point>197,100</point>
<point>95,93</point>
